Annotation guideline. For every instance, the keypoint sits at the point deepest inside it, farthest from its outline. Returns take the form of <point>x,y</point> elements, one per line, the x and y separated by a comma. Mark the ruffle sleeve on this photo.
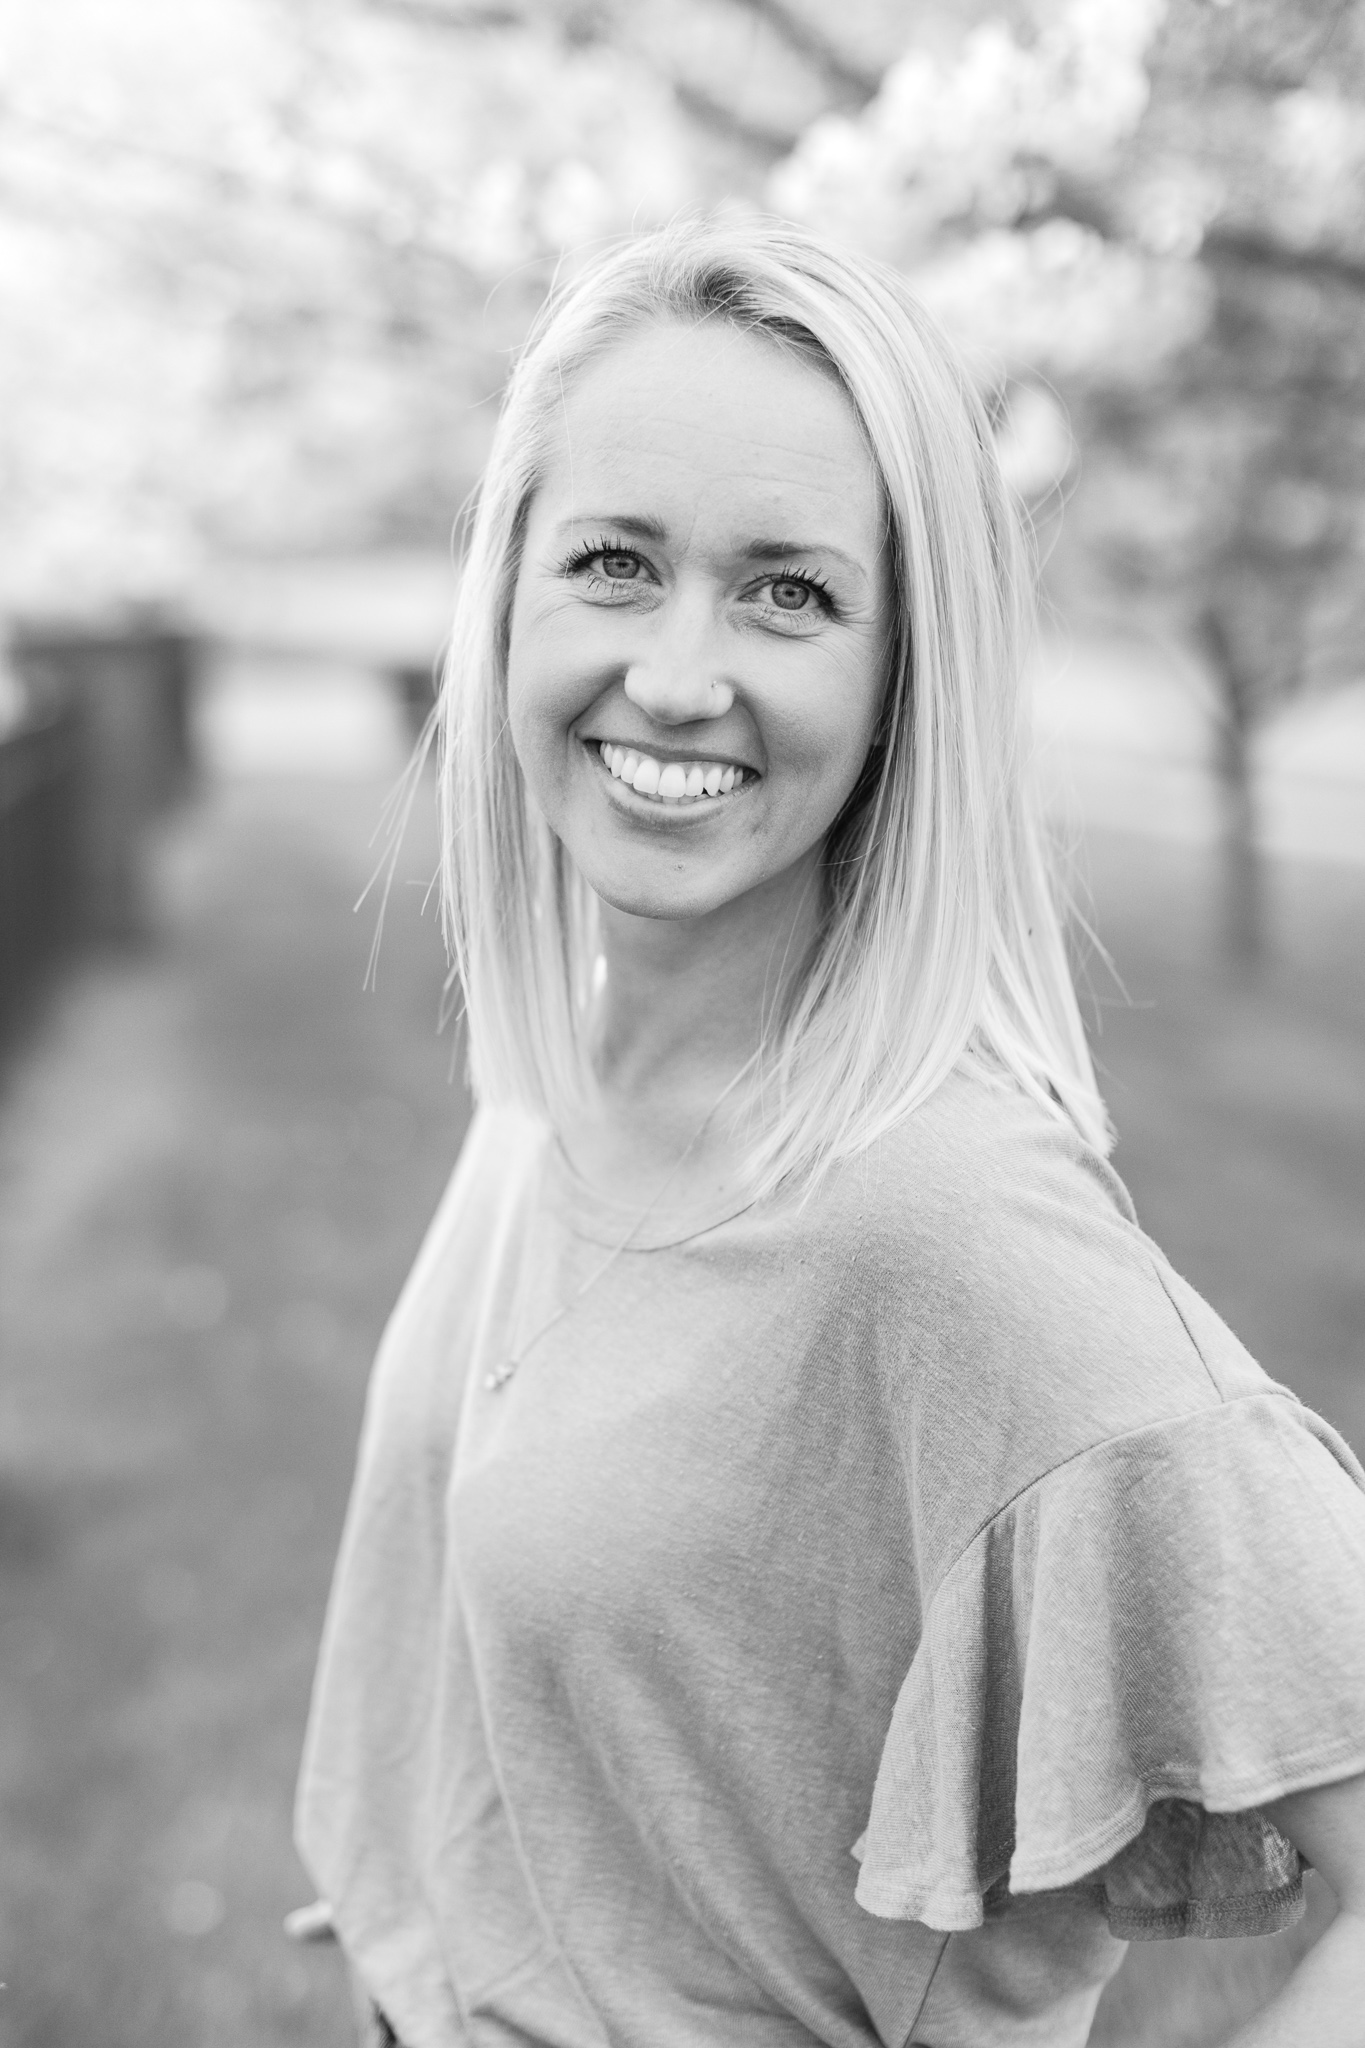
<point>1128,1662</point>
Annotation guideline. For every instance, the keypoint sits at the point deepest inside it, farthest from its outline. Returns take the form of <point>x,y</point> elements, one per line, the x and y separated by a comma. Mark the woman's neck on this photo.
<point>687,1000</point>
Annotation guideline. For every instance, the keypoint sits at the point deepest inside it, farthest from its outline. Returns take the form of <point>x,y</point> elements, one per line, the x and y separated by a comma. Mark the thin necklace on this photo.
<point>496,1379</point>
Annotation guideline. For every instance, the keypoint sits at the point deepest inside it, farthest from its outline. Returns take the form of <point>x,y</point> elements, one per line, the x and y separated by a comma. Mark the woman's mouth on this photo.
<point>671,782</point>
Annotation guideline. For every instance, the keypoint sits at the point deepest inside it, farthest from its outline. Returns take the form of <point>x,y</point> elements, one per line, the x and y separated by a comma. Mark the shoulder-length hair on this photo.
<point>940,936</point>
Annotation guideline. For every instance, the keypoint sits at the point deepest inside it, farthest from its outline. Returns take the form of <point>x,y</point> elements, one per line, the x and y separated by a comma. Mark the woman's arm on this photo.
<point>1323,2002</point>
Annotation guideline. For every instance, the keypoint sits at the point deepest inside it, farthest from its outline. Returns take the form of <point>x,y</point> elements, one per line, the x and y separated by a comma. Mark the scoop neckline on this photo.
<point>591,1213</point>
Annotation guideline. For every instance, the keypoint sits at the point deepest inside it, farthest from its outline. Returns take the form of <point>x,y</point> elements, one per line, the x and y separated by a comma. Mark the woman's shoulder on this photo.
<point>501,1147</point>
<point>999,1190</point>
<point>981,1146</point>
<point>481,1205</point>
<point>1015,1291</point>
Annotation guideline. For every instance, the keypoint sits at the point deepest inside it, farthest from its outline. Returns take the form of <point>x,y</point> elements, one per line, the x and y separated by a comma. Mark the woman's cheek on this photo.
<point>531,726</point>
<point>544,697</point>
<point>821,740</point>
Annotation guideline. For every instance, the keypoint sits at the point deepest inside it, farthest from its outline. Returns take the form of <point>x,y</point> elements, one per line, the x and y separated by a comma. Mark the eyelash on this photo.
<point>810,579</point>
<point>590,549</point>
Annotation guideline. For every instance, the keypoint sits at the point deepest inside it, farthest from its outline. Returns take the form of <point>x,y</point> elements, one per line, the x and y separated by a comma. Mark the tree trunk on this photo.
<point>1243,905</point>
<point>1244,934</point>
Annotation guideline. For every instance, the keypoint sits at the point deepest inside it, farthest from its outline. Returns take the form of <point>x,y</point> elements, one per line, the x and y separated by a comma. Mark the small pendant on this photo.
<point>500,1375</point>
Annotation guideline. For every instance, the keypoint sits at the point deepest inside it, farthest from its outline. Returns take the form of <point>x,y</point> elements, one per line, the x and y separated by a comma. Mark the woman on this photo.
<point>814,1573</point>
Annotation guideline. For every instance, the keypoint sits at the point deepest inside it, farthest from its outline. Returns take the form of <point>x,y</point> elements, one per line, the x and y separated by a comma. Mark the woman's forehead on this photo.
<point>708,416</point>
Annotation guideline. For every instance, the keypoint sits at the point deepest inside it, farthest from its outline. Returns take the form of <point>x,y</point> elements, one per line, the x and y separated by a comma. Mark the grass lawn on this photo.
<point>1240,1107</point>
<point>215,1166</point>
<point>1240,1104</point>
<point>216,1161</point>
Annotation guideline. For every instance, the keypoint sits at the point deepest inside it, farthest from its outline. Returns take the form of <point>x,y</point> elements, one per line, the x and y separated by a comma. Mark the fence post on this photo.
<point>129,692</point>
<point>38,771</point>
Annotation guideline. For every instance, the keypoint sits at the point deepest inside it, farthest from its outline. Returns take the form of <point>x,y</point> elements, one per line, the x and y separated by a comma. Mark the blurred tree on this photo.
<point>246,250</point>
<point>264,261</point>
<point>1162,211</point>
<point>1235,481</point>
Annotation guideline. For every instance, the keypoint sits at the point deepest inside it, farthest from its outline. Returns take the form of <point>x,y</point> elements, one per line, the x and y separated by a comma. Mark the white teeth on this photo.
<point>670,782</point>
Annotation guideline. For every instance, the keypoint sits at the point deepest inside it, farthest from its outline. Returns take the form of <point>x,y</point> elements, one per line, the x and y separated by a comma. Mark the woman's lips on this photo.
<point>671,781</point>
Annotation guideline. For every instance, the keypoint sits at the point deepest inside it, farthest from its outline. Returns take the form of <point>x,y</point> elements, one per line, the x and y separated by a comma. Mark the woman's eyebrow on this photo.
<point>617,522</point>
<point>764,550</point>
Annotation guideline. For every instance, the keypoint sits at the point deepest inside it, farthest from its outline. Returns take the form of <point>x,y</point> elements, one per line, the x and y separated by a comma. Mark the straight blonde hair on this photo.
<point>941,937</point>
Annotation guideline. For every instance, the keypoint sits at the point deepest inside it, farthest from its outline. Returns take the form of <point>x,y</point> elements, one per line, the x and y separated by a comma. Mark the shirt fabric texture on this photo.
<point>851,1623</point>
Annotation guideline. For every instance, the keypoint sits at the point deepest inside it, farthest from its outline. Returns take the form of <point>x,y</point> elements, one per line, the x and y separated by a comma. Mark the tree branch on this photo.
<point>1089,207</point>
<point>233,189</point>
<point>470,14</point>
<point>713,114</point>
<point>812,44</point>
<point>1246,246</point>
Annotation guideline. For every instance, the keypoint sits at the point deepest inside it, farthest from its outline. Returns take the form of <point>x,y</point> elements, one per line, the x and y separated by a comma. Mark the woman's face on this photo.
<point>700,623</point>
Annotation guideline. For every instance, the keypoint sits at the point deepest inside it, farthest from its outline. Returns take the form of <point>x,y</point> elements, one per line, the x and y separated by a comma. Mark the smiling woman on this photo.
<point>662,625</point>
<point>815,1574</point>
<point>826,587</point>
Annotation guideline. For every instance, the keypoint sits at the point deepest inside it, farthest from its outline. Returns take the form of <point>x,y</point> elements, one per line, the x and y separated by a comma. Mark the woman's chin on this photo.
<point>666,897</point>
<point>649,872</point>
<point>676,890</point>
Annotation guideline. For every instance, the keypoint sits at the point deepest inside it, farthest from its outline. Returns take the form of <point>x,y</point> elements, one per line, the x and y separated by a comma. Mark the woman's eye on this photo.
<point>791,596</point>
<point>620,568</point>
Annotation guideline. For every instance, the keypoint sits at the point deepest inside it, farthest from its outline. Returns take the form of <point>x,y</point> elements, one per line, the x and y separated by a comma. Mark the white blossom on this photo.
<point>955,173</point>
<point>1317,148</point>
<point>1061,299</point>
<point>978,137</point>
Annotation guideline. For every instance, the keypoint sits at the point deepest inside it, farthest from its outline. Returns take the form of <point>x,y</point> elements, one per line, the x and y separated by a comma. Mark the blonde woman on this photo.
<point>815,1574</point>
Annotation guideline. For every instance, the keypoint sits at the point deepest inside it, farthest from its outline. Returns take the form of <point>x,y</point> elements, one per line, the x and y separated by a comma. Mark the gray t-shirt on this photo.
<point>851,1621</point>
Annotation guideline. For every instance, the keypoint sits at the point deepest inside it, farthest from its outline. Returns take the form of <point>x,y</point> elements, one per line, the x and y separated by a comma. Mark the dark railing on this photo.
<point>101,746</point>
<point>39,776</point>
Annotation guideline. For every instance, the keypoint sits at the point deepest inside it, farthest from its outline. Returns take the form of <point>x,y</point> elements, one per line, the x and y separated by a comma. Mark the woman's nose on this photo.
<point>677,695</point>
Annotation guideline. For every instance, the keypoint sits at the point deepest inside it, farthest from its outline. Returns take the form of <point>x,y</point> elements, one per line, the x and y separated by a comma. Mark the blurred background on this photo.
<point>263,264</point>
